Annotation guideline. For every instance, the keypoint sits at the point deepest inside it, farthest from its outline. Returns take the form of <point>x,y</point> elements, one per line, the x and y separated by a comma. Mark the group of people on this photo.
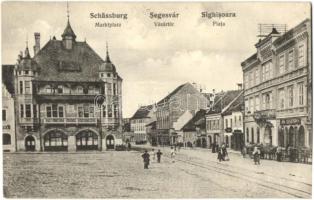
<point>146,157</point>
<point>222,153</point>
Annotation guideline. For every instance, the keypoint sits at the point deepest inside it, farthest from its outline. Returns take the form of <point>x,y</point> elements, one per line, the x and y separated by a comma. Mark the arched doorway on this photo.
<point>110,142</point>
<point>291,137</point>
<point>30,143</point>
<point>86,140</point>
<point>198,142</point>
<point>281,137</point>
<point>55,140</point>
<point>268,136</point>
<point>204,142</point>
<point>258,135</point>
<point>216,138</point>
<point>301,137</point>
<point>210,140</point>
<point>286,136</point>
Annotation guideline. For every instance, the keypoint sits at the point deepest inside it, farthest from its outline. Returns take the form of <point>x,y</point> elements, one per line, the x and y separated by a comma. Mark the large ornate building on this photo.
<point>278,89</point>
<point>67,97</point>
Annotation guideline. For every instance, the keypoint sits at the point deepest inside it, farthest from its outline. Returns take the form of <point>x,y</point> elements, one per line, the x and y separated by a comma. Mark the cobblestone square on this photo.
<point>111,174</point>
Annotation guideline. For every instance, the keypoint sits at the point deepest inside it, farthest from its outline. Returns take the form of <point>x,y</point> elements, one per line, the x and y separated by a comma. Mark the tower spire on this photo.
<point>68,11</point>
<point>26,53</point>
<point>107,53</point>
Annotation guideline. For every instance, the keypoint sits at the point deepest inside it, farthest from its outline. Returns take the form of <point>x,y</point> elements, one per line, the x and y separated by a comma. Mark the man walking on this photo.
<point>158,155</point>
<point>145,157</point>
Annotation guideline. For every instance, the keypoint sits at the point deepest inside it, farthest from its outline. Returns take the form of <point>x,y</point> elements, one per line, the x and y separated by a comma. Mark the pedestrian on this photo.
<point>279,154</point>
<point>145,157</point>
<point>256,155</point>
<point>172,154</point>
<point>153,154</point>
<point>220,157</point>
<point>244,151</point>
<point>213,147</point>
<point>158,155</point>
<point>179,147</point>
<point>129,146</point>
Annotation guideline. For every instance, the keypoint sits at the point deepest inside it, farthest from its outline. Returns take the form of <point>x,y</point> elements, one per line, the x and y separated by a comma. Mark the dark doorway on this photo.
<point>301,137</point>
<point>110,142</point>
<point>55,141</point>
<point>30,143</point>
<point>86,140</point>
<point>291,137</point>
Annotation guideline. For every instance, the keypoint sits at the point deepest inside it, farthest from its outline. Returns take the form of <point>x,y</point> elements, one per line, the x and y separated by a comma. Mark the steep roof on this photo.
<point>142,112</point>
<point>236,106</point>
<point>222,100</point>
<point>195,121</point>
<point>81,63</point>
<point>68,31</point>
<point>8,77</point>
<point>171,94</point>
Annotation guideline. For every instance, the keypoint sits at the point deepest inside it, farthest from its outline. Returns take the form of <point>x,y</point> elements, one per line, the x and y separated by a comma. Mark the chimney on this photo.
<point>239,86</point>
<point>37,43</point>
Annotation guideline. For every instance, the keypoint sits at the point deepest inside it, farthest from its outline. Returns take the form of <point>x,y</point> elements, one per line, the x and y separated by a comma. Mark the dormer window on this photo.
<point>108,75</point>
<point>101,75</point>
<point>60,89</point>
<point>68,42</point>
<point>80,90</point>
<point>48,89</point>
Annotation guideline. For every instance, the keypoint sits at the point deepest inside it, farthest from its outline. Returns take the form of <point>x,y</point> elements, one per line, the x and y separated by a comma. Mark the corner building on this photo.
<point>278,89</point>
<point>67,98</point>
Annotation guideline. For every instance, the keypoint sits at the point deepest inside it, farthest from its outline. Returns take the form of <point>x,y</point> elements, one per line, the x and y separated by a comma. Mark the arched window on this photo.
<point>86,140</point>
<point>6,139</point>
<point>301,138</point>
<point>291,137</point>
<point>252,133</point>
<point>268,136</point>
<point>258,135</point>
<point>281,137</point>
<point>55,141</point>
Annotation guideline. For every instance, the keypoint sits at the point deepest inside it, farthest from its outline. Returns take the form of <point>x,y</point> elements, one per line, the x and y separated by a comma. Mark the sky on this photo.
<point>152,60</point>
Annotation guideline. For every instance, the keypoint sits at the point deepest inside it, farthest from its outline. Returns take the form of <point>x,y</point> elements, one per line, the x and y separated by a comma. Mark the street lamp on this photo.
<point>99,101</point>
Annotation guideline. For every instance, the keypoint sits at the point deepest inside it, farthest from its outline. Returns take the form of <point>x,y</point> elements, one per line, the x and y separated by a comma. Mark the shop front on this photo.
<point>291,133</point>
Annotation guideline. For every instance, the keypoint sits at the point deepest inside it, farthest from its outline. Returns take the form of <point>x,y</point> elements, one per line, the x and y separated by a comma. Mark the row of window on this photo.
<point>55,111</point>
<point>212,124</point>
<point>26,72</point>
<point>253,141</point>
<point>138,127</point>
<point>25,88</point>
<point>237,121</point>
<point>28,110</point>
<point>287,98</point>
<point>102,75</point>
<point>163,121</point>
<point>286,62</point>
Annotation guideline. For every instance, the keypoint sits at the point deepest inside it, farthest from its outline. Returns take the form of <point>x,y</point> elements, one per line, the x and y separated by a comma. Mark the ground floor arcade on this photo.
<point>58,139</point>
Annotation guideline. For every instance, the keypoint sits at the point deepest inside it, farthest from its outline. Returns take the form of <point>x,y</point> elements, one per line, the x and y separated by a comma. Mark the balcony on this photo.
<point>28,120</point>
<point>69,120</point>
<point>265,114</point>
<point>45,97</point>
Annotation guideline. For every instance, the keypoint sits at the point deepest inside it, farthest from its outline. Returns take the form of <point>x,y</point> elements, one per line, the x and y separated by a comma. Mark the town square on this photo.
<point>157,100</point>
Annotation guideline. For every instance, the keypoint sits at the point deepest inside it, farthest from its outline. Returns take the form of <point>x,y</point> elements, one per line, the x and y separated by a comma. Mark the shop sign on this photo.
<point>290,121</point>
